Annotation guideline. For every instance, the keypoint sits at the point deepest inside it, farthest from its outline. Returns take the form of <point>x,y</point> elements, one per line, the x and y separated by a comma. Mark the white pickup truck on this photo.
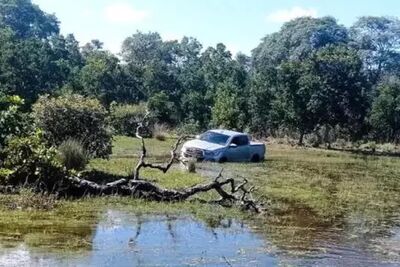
<point>222,146</point>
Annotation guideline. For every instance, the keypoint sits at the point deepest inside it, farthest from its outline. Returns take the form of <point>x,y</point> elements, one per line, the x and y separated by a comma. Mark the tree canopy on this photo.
<point>313,73</point>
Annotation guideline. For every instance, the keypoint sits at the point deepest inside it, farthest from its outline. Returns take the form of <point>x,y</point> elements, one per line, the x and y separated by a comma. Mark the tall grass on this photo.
<point>73,155</point>
<point>160,132</point>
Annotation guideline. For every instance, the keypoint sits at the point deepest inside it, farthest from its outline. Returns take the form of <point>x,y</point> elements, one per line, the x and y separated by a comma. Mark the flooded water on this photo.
<point>125,239</point>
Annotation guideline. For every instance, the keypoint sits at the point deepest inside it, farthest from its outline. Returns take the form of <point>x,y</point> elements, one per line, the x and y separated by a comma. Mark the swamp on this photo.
<point>199,133</point>
<point>324,207</point>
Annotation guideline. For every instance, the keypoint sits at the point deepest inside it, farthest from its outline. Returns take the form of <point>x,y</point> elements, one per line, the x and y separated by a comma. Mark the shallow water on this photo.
<point>125,239</point>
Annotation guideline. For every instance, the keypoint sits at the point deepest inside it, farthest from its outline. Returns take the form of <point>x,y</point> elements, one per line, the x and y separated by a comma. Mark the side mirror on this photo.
<point>233,145</point>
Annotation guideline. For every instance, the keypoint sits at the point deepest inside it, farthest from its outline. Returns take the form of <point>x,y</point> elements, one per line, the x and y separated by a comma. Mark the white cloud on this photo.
<point>285,15</point>
<point>124,13</point>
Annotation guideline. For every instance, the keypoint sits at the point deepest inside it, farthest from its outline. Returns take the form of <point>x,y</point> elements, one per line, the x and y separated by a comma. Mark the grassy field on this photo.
<point>329,183</point>
<point>311,193</point>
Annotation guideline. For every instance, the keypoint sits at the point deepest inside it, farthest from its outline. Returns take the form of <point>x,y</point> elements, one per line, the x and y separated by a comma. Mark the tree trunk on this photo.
<point>300,143</point>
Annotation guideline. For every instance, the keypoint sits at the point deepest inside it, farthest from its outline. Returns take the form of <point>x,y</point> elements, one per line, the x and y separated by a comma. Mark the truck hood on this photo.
<point>202,145</point>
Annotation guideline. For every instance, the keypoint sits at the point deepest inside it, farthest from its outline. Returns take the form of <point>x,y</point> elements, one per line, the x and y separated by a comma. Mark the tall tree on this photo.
<point>28,67</point>
<point>378,40</point>
<point>27,20</point>
<point>385,113</point>
<point>100,77</point>
<point>151,59</point>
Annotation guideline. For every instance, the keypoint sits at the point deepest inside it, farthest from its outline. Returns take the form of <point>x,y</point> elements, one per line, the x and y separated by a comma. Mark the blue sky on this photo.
<point>239,24</point>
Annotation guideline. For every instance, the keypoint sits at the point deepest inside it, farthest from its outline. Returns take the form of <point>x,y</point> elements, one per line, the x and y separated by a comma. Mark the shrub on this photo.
<point>191,166</point>
<point>73,155</point>
<point>4,173</point>
<point>12,121</point>
<point>371,146</point>
<point>189,128</point>
<point>30,161</point>
<point>125,118</point>
<point>388,148</point>
<point>159,131</point>
<point>162,109</point>
<point>77,117</point>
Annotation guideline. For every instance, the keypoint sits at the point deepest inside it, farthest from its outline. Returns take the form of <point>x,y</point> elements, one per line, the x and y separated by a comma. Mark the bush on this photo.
<point>30,161</point>
<point>12,121</point>
<point>370,146</point>
<point>388,148</point>
<point>189,128</point>
<point>77,117</point>
<point>4,174</point>
<point>73,155</point>
<point>125,118</point>
<point>162,109</point>
<point>159,132</point>
<point>191,166</point>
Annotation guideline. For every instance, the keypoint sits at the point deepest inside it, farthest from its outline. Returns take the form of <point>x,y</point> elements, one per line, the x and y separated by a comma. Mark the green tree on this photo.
<point>27,20</point>
<point>162,108</point>
<point>153,62</point>
<point>385,113</point>
<point>282,84</point>
<point>99,77</point>
<point>12,121</point>
<point>343,97</point>
<point>297,40</point>
<point>29,67</point>
<point>228,110</point>
<point>378,41</point>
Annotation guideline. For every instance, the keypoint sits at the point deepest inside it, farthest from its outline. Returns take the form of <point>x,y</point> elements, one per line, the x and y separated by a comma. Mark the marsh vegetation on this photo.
<point>77,188</point>
<point>324,207</point>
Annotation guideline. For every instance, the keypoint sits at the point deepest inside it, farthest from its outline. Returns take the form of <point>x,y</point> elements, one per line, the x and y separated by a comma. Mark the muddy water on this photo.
<point>125,239</point>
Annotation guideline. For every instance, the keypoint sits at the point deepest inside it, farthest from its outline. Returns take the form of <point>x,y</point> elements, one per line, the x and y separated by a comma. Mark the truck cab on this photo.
<point>222,146</point>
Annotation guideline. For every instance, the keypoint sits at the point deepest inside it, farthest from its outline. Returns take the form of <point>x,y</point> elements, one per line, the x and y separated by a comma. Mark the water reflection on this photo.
<point>125,239</point>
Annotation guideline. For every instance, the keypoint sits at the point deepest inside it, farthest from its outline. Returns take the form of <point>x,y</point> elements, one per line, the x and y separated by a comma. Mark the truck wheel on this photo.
<point>222,160</point>
<point>255,158</point>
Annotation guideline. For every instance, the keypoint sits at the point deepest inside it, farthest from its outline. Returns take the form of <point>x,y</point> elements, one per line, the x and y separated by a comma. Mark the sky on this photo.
<point>239,24</point>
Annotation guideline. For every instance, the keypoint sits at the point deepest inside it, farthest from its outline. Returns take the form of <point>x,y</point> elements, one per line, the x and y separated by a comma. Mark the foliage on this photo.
<point>162,109</point>
<point>378,41</point>
<point>227,111</point>
<point>160,131</point>
<point>27,20</point>
<point>189,128</point>
<point>125,118</point>
<point>73,155</point>
<point>77,117</point>
<point>12,121</point>
<point>311,73</point>
<point>32,162</point>
<point>385,113</point>
<point>104,78</point>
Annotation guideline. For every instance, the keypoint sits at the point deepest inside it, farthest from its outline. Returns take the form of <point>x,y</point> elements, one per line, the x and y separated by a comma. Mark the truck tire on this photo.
<point>255,158</point>
<point>222,160</point>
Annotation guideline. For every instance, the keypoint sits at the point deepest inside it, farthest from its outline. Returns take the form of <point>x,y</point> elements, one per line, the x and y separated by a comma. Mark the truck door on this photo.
<point>239,148</point>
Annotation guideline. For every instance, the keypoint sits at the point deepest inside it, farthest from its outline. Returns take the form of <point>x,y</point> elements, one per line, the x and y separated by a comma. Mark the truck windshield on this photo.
<point>215,138</point>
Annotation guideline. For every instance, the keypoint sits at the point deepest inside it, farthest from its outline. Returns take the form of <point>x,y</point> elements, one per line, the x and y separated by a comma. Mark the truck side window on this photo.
<point>241,140</point>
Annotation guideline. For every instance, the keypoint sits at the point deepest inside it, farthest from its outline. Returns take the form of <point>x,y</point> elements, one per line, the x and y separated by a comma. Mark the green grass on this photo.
<point>309,191</point>
<point>328,186</point>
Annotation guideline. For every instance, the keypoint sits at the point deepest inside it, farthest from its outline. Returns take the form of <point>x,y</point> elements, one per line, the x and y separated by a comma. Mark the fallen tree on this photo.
<point>231,192</point>
<point>235,194</point>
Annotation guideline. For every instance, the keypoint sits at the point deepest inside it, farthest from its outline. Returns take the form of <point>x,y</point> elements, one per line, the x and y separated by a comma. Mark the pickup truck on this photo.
<point>223,145</point>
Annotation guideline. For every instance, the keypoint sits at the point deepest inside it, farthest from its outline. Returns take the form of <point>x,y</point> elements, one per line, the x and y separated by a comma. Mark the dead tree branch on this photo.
<point>231,192</point>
